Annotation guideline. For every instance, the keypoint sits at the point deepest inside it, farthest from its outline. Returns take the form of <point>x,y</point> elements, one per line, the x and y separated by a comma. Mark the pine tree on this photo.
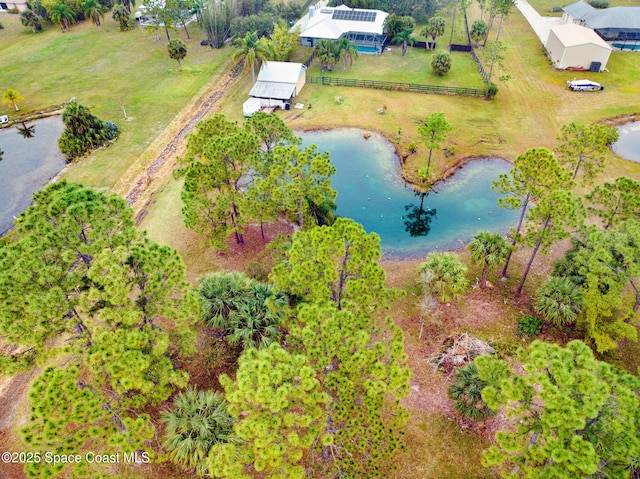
<point>572,416</point>
<point>279,410</point>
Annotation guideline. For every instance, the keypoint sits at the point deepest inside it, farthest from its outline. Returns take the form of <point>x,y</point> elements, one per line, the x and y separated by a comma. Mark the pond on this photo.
<point>410,224</point>
<point>29,160</point>
<point>628,145</point>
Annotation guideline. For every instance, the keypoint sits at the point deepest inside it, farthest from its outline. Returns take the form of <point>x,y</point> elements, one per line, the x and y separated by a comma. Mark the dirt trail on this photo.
<point>136,185</point>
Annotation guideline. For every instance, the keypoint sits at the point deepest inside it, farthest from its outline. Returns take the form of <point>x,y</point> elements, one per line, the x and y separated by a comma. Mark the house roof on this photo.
<point>571,35</point>
<point>277,80</point>
<point>579,9</point>
<point>332,23</point>
<point>615,17</point>
<point>285,72</point>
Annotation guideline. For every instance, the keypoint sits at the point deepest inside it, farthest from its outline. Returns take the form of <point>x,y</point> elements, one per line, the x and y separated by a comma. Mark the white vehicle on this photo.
<point>584,85</point>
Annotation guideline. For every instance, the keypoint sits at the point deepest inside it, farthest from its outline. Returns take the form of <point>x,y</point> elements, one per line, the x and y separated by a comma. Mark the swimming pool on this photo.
<point>623,46</point>
<point>368,49</point>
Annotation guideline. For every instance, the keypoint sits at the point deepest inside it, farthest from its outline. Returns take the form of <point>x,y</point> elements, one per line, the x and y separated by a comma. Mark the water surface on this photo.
<point>628,145</point>
<point>372,192</point>
<point>29,160</point>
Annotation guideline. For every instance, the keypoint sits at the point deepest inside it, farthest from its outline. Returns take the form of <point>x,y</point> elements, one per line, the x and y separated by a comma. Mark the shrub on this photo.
<point>555,9</point>
<point>83,131</point>
<point>530,325</point>
<point>197,421</point>
<point>599,4</point>
<point>466,391</point>
<point>441,63</point>
<point>492,90</point>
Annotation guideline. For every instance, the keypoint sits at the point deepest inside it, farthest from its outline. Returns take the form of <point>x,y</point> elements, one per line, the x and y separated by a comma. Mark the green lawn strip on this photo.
<point>544,6</point>
<point>414,67</point>
<point>106,69</point>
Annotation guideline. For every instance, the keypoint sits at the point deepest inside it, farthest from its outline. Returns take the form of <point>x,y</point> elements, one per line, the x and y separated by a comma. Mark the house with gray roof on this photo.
<point>617,24</point>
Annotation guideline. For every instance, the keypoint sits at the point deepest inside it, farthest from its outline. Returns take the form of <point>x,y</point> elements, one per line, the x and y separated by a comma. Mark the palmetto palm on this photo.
<point>94,11</point>
<point>252,51</point>
<point>443,275</point>
<point>466,391</point>
<point>249,312</point>
<point>122,16</point>
<point>197,421</point>
<point>488,249</point>
<point>62,14</point>
<point>347,50</point>
<point>404,37</point>
<point>127,4</point>
<point>478,31</point>
<point>327,52</point>
<point>559,301</point>
<point>434,29</point>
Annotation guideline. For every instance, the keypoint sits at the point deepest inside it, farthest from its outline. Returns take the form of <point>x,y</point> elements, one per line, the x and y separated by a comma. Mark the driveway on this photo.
<point>541,25</point>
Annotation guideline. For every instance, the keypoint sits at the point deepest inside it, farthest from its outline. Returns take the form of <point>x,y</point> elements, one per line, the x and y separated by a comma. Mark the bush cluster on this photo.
<point>84,132</point>
<point>530,325</point>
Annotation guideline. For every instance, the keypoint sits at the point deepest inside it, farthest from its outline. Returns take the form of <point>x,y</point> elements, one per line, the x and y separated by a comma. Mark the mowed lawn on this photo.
<point>105,70</point>
<point>414,67</point>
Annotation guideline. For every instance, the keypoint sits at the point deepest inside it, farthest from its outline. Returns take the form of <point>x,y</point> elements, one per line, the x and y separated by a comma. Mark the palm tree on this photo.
<point>443,275</point>
<point>559,301</point>
<point>488,249</point>
<point>404,37</point>
<point>177,51</point>
<point>327,52</point>
<point>62,14</point>
<point>466,391</point>
<point>197,421</point>
<point>220,294</point>
<point>478,31</point>
<point>94,11</point>
<point>252,51</point>
<point>434,29</point>
<point>127,4</point>
<point>29,19</point>
<point>257,323</point>
<point>441,63</point>
<point>12,97</point>
<point>347,50</point>
<point>122,16</point>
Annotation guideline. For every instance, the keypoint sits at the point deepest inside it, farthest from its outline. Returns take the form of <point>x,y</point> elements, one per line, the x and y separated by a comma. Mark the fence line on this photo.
<point>480,67</point>
<point>310,59</point>
<point>397,86</point>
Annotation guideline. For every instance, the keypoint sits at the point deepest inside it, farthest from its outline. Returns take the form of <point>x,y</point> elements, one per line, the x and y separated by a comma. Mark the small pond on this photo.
<point>410,224</point>
<point>628,145</point>
<point>29,160</point>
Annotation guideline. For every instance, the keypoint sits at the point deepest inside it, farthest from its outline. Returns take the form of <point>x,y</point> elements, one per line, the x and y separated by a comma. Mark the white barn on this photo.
<point>572,46</point>
<point>277,84</point>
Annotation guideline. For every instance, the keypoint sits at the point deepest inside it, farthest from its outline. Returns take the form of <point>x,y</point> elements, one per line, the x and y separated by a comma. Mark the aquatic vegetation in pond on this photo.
<point>410,223</point>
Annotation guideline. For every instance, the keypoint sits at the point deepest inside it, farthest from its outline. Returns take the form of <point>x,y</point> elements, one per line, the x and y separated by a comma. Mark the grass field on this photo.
<point>414,67</point>
<point>544,6</point>
<point>105,69</point>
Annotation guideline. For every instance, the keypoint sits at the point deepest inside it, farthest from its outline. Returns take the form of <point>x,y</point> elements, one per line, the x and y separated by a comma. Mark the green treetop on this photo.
<point>572,416</point>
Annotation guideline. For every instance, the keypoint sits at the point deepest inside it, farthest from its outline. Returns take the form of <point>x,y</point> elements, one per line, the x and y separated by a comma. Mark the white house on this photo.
<point>20,5</point>
<point>363,27</point>
<point>572,46</point>
<point>277,84</point>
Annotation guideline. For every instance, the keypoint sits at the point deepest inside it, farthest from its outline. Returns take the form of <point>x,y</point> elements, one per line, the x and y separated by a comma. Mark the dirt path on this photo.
<point>139,183</point>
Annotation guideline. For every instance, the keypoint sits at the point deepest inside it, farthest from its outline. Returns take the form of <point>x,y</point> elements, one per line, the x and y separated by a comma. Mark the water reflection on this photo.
<point>26,131</point>
<point>628,145</point>
<point>418,221</point>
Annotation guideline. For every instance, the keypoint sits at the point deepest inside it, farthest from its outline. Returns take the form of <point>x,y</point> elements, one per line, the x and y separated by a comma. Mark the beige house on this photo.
<point>20,5</point>
<point>572,46</point>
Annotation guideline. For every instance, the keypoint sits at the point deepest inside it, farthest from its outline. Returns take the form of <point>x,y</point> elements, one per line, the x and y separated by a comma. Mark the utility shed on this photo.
<point>572,46</point>
<point>278,83</point>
